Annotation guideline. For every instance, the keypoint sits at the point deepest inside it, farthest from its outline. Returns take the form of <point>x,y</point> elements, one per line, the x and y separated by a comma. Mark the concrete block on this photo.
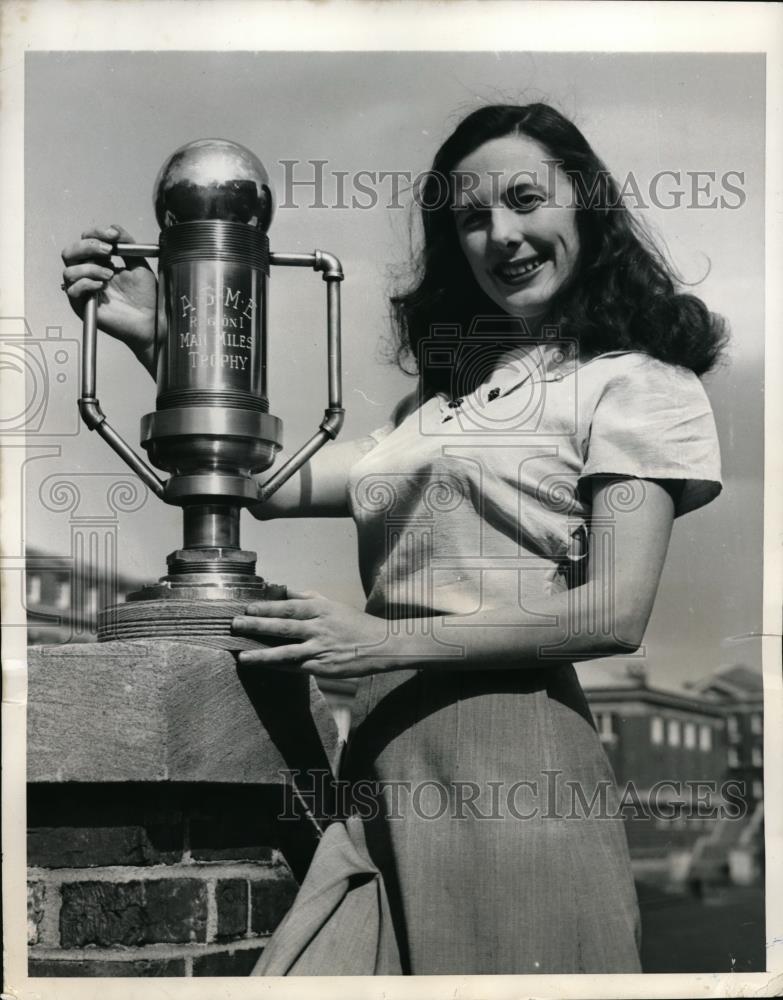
<point>133,913</point>
<point>102,967</point>
<point>227,963</point>
<point>102,914</point>
<point>231,898</point>
<point>270,900</point>
<point>90,847</point>
<point>36,897</point>
<point>169,711</point>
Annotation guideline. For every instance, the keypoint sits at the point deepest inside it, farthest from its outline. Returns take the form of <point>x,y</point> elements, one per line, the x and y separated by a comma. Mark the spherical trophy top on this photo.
<point>213,179</point>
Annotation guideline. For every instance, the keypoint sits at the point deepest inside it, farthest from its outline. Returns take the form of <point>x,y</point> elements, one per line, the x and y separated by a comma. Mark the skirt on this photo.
<point>484,837</point>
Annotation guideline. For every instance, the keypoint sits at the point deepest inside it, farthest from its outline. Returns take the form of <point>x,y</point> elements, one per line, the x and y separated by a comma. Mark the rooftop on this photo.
<point>618,679</point>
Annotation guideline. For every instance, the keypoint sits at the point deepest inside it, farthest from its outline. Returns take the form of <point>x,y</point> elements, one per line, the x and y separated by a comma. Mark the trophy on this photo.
<point>211,430</point>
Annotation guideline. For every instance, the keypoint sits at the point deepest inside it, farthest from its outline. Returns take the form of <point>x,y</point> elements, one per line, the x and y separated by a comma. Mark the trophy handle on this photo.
<point>334,414</point>
<point>89,405</point>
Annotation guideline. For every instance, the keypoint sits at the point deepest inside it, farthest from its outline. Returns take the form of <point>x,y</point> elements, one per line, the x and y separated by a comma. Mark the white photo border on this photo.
<point>247,25</point>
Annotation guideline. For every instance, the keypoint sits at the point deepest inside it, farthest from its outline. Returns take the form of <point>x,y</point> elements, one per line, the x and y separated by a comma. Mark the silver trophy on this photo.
<point>211,430</point>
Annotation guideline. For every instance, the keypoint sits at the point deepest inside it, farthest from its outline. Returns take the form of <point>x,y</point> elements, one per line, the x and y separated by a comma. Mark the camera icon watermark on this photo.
<point>497,377</point>
<point>51,596</point>
<point>40,366</point>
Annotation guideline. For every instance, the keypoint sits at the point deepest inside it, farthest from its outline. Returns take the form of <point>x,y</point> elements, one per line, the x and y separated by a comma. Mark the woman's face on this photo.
<point>516,223</point>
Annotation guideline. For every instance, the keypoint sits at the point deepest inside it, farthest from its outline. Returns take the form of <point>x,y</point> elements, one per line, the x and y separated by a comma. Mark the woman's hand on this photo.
<point>314,635</point>
<point>126,295</point>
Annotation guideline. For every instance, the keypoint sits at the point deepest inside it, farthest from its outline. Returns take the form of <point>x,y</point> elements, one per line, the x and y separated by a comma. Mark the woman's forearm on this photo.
<point>576,624</point>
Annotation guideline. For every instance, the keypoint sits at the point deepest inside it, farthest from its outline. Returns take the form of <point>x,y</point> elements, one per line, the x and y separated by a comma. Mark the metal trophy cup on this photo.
<point>211,429</point>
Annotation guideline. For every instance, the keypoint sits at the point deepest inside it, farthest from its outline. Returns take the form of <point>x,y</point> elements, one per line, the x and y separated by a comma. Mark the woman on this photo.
<point>513,516</point>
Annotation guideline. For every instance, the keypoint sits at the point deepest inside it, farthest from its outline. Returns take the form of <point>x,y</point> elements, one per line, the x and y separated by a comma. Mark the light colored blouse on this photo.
<point>461,500</point>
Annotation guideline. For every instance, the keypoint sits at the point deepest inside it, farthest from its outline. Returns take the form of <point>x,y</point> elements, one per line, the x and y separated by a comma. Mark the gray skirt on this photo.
<point>485,837</point>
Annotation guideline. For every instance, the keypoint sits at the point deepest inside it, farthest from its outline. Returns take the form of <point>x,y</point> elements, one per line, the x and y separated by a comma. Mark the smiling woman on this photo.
<point>513,516</point>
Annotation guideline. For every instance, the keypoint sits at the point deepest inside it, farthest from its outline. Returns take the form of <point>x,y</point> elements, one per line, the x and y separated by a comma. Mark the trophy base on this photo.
<point>211,580</point>
<point>189,612</point>
<point>208,590</point>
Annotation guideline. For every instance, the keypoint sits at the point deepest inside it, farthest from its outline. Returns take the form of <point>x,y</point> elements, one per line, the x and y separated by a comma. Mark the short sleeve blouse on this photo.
<point>455,495</point>
<point>654,421</point>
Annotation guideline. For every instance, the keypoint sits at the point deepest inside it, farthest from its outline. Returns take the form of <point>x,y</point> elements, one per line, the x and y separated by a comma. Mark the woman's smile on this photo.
<point>519,270</point>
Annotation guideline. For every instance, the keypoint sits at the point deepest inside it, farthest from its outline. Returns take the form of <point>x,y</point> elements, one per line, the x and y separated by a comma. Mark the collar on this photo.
<point>551,360</point>
<point>541,360</point>
<point>547,361</point>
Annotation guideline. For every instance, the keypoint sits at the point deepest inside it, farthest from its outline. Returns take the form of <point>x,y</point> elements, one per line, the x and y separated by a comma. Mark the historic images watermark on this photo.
<point>547,796</point>
<point>57,596</point>
<point>314,184</point>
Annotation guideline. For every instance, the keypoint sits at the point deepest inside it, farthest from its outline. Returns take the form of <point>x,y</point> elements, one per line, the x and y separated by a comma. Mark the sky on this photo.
<point>98,126</point>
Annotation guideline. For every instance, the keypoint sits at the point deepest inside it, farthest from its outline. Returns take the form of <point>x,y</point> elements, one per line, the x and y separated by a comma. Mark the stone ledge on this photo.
<point>164,711</point>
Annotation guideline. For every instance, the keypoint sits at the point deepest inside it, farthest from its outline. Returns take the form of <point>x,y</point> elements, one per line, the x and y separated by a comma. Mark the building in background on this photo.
<point>739,691</point>
<point>62,601</point>
<point>664,746</point>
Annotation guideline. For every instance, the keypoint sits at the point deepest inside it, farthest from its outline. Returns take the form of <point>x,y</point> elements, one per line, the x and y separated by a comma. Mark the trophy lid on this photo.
<point>213,179</point>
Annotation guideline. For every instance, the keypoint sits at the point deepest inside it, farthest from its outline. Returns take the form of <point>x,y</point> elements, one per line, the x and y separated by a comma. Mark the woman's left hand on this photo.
<point>314,635</point>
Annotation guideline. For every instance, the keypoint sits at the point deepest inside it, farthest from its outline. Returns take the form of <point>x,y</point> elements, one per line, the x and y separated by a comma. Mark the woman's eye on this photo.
<point>471,218</point>
<point>525,201</point>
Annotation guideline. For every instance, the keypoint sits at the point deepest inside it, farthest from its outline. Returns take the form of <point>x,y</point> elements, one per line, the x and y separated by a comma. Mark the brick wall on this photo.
<point>158,880</point>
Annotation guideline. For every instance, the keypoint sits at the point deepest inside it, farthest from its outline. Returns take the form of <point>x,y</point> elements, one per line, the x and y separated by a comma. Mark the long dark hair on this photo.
<point>624,294</point>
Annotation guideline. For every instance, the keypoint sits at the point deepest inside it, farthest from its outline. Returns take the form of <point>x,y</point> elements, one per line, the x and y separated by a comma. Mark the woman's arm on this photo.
<point>630,530</point>
<point>320,488</point>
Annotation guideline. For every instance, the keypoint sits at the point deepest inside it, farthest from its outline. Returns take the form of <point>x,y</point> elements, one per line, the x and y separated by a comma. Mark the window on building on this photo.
<point>674,732</point>
<point>756,756</point>
<point>705,737</point>
<point>656,729</point>
<point>689,734</point>
<point>758,790</point>
<point>33,589</point>
<point>732,728</point>
<point>733,757</point>
<point>756,724</point>
<point>604,722</point>
<point>92,599</point>
<point>63,598</point>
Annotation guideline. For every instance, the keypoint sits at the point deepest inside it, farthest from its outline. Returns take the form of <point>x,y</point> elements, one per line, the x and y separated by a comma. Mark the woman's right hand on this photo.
<point>126,295</point>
